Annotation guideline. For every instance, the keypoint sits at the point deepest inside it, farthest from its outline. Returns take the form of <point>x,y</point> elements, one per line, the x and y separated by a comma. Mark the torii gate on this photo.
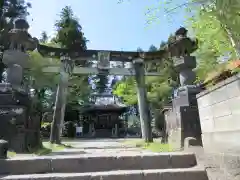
<point>182,46</point>
<point>70,59</point>
<point>21,41</point>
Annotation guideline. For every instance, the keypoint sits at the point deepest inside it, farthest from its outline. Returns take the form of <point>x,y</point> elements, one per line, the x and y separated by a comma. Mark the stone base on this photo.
<point>222,166</point>
<point>15,126</point>
<point>3,149</point>
<point>175,139</point>
<point>19,143</point>
<point>183,124</point>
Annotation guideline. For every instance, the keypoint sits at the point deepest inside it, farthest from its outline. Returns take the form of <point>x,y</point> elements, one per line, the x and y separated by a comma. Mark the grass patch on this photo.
<point>157,147</point>
<point>47,148</point>
<point>154,146</point>
<point>11,154</point>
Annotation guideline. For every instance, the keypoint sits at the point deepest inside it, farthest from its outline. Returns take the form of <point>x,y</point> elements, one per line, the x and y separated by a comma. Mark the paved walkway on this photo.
<point>99,147</point>
<point>96,147</point>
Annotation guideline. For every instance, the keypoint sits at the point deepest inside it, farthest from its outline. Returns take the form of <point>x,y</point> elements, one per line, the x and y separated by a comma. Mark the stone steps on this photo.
<point>162,166</point>
<point>89,163</point>
<point>156,174</point>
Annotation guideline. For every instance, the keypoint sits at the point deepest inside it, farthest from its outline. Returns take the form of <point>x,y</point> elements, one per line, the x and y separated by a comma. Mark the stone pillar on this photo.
<point>67,66</point>
<point>184,114</point>
<point>90,129</point>
<point>115,131</point>
<point>184,65</point>
<point>143,106</point>
<point>93,130</point>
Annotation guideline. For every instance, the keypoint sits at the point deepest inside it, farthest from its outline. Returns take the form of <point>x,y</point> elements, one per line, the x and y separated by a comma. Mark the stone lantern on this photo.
<point>15,100</point>
<point>15,58</point>
<point>184,103</point>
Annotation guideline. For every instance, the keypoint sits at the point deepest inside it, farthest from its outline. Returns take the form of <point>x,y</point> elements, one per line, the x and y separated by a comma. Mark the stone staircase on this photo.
<point>152,166</point>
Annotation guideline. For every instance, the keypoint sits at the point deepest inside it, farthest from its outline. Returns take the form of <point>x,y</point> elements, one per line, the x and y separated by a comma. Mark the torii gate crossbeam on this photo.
<point>95,71</point>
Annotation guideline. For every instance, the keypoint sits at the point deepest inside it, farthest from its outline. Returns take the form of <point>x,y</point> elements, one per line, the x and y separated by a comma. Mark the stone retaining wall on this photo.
<point>219,111</point>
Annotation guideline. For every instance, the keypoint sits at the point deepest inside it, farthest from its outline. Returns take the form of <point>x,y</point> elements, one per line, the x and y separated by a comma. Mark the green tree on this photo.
<point>215,42</point>
<point>44,37</point>
<point>216,25</point>
<point>42,84</point>
<point>69,31</point>
<point>101,82</point>
<point>69,35</point>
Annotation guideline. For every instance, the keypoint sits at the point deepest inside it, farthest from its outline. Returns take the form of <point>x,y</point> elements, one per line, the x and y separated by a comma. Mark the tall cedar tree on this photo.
<point>69,35</point>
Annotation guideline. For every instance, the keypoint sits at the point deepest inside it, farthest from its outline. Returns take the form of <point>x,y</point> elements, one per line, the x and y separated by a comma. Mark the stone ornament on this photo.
<point>68,64</point>
<point>103,60</point>
<point>15,75</point>
<point>182,45</point>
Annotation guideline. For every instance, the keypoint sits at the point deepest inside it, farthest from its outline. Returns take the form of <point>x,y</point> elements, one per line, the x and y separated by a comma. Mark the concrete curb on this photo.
<point>169,174</point>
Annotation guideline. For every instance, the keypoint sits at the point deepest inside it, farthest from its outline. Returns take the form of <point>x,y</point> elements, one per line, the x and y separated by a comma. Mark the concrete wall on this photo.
<point>219,111</point>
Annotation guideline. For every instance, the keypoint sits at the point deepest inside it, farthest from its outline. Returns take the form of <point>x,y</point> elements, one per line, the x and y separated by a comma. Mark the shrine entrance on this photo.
<point>103,121</point>
<point>73,63</point>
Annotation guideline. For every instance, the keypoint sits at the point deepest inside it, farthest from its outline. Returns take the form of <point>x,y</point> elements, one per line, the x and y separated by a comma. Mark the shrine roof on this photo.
<point>104,108</point>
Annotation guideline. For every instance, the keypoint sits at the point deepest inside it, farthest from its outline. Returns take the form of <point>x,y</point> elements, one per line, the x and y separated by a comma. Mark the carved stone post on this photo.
<point>90,129</point>
<point>3,149</point>
<point>67,66</point>
<point>116,130</point>
<point>184,66</point>
<point>143,106</point>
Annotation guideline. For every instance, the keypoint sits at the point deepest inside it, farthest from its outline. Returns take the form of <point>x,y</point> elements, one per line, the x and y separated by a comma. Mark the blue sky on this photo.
<point>107,24</point>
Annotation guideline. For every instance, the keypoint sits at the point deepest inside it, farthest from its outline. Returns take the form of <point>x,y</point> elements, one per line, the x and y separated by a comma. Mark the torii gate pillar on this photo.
<point>143,106</point>
<point>67,65</point>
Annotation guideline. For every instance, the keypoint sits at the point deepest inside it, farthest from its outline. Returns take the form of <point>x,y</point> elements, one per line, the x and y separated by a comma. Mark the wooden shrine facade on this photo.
<point>103,120</point>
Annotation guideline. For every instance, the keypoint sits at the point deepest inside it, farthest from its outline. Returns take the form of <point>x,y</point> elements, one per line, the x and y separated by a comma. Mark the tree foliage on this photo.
<point>10,10</point>
<point>101,82</point>
<point>216,25</point>
<point>214,22</point>
<point>69,35</point>
<point>69,31</point>
<point>159,88</point>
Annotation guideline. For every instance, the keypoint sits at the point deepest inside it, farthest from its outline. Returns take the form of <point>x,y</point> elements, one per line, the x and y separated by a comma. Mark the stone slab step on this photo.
<point>9,99</point>
<point>80,164</point>
<point>156,174</point>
